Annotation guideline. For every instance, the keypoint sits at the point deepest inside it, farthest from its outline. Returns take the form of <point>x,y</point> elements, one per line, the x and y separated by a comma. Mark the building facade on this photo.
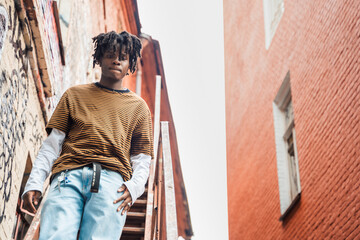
<point>292,118</point>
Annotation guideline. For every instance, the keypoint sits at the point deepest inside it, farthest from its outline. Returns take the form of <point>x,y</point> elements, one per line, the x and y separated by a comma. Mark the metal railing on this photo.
<point>161,220</point>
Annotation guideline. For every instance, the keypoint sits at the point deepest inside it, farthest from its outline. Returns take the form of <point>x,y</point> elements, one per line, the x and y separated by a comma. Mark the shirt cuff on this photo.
<point>141,168</point>
<point>32,188</point>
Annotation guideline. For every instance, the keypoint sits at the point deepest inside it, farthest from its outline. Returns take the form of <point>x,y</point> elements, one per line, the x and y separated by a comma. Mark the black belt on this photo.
<point>95,180</point>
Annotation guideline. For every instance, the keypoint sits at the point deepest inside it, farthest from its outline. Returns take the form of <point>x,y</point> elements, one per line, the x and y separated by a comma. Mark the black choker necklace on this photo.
<point>114,90</point>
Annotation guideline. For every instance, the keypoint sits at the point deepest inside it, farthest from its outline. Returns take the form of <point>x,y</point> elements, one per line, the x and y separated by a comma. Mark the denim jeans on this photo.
<point>70,207</point>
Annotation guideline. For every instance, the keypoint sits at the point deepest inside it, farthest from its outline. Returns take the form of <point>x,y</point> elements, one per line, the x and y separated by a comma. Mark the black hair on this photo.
<point>107,41</point>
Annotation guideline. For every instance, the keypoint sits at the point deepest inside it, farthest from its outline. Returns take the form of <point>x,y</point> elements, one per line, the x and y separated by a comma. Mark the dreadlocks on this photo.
<point>107,41</point>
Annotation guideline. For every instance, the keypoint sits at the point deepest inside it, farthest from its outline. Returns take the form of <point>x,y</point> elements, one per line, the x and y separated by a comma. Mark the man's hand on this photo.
<point>29,198</point>
<point>127,199</point>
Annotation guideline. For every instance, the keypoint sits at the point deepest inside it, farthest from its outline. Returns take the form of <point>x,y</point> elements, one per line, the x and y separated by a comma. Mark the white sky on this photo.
<point>191,41</point>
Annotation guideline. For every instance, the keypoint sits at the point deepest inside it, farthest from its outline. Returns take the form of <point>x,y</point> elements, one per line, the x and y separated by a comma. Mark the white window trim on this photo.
<point>268,17</point>
<point>279,103</point>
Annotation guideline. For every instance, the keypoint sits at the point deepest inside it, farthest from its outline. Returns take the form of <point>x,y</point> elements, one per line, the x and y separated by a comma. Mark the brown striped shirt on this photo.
<point>101,126</point>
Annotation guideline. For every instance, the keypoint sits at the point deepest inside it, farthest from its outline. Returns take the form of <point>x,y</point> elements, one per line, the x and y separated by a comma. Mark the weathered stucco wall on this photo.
<point>21,124</point>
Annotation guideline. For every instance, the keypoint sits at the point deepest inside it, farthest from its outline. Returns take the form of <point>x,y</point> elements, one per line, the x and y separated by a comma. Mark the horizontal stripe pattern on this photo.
<point>101,126</point>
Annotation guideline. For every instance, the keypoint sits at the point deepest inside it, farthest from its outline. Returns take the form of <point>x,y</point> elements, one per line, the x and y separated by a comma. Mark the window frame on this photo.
<point>283,130</point>
<point>269,17</point>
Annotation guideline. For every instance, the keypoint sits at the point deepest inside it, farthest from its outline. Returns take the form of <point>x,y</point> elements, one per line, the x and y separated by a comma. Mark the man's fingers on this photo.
<point>122,188</point>
<point>37,197</point>
<point>28,202</point>
<point>126,208</point>
<point>125,195</point>
<point>124,205</point>
<point>33,209</point>
<point>30,198</point>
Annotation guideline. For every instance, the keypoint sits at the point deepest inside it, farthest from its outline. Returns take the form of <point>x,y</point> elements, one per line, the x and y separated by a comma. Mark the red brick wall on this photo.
<point>319,43</point>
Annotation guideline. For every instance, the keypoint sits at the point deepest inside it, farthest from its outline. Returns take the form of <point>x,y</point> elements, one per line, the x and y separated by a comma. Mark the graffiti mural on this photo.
<point>15,41</point>
<point>13,118</point>
<point>36,136</point>
<point>13,105</point>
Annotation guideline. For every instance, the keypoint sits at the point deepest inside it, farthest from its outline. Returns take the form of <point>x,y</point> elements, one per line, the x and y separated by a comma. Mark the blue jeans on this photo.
<point>70,207</point>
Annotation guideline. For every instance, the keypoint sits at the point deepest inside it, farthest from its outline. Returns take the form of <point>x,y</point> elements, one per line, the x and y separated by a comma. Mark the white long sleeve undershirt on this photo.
<point>50,151</point>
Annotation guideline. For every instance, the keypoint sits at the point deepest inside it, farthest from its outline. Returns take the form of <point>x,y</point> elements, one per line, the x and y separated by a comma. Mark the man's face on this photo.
<point>112,67</point>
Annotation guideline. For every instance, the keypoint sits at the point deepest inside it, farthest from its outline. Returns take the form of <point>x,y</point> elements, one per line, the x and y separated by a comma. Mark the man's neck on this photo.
<point>112,83</point>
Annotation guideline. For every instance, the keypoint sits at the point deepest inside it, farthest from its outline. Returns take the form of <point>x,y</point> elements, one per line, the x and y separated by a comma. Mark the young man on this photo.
<point>99,149</point>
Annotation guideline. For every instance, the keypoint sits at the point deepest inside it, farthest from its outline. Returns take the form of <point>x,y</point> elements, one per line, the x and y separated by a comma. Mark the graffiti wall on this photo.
<point>21,122</point>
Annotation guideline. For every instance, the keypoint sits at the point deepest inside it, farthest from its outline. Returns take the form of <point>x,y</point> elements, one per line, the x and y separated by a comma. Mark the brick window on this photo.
<point>273,11</point>
<point>286,151</point>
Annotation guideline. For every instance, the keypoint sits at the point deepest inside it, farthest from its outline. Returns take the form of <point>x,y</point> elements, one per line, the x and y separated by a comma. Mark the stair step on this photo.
<point>137,215</point>
<point>140,202</point>
<point>134,230</point>
<point>144,195</point>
